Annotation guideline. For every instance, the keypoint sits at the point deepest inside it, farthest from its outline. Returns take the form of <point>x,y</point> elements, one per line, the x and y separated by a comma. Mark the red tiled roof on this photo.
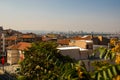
<point>27,36</point>
<point>77,38</point>
<point>63,41</point>
<point>11,38</point>
<point>20,46</point>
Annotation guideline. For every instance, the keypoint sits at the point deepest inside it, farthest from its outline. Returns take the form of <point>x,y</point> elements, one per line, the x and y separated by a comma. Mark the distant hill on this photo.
<point>34,31</point>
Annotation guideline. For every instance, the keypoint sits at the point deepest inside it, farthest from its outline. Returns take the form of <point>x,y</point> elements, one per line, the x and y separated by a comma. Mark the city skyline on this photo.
<point>61,15</point>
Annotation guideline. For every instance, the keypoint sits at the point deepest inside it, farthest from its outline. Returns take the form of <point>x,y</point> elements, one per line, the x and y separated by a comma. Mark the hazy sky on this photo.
<point>61,15</point>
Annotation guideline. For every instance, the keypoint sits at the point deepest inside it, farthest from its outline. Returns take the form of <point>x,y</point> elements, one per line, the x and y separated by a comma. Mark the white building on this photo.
<point>76,53</point>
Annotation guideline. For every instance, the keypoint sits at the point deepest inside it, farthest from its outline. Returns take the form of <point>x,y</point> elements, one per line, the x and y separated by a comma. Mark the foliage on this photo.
<point>113,41</point>
<point>98,64</point>
<point>115,45</point>
<point>76,71</point>
<point>117,60</point>
<point>116,48</point>
<point>21,78</point>
<point>43,61</point>
<point>106,53</point>
<point>83,74</point>
<point>106,72</point>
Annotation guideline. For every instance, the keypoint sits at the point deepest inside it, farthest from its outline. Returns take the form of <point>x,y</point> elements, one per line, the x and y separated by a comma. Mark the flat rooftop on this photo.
<point>68,48</point>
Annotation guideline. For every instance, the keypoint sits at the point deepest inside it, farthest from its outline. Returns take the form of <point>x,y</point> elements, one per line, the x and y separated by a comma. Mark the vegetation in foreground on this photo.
<point>43,61</point>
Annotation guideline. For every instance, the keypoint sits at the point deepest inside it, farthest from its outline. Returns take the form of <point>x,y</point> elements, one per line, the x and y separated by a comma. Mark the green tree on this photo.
<point>104,70</point>
<point>43,61</point>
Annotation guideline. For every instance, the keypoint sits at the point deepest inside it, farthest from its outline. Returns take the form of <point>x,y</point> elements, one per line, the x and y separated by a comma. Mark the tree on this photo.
<point>115,45</point>
<point>113,41</point>
<point>116,48</point>
<point>106,53</point>
<point>43,61</point>
<point>117,60</point>
<point>106,71</point>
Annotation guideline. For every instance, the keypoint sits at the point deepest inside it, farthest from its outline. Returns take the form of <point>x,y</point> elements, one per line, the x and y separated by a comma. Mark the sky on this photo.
<point>61,15</point>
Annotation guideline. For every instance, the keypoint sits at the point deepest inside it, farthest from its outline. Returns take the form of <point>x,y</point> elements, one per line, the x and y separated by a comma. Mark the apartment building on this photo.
<point>7,38</point>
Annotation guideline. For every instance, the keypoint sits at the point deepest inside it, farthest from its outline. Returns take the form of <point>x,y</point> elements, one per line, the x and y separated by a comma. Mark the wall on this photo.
<point>76,53</point>
<point>73,53</point>
<point>81,44</point>
<point>12,56</point>
<point>78,43</point>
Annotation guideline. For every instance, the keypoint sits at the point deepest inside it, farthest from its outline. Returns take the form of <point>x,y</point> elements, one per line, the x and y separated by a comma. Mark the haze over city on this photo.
<point>61,15</point>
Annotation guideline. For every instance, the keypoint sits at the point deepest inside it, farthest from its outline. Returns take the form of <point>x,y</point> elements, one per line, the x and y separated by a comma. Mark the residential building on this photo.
<point>100,40</point>
<point>29,37</point>
<point>86,44</point>
<point>63,42</point>
<point>11,40</point>
<point>49,38</point>
<point>8,39</point>
<point>16,52</point>
<point>103,40</point>
<point>76,53</point>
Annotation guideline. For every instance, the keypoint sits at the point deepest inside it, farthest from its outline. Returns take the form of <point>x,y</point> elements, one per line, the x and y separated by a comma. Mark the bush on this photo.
<point>21,78</point>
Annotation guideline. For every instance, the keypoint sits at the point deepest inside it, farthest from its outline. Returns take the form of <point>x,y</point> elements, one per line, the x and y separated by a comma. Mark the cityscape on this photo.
<point>60,40</point>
